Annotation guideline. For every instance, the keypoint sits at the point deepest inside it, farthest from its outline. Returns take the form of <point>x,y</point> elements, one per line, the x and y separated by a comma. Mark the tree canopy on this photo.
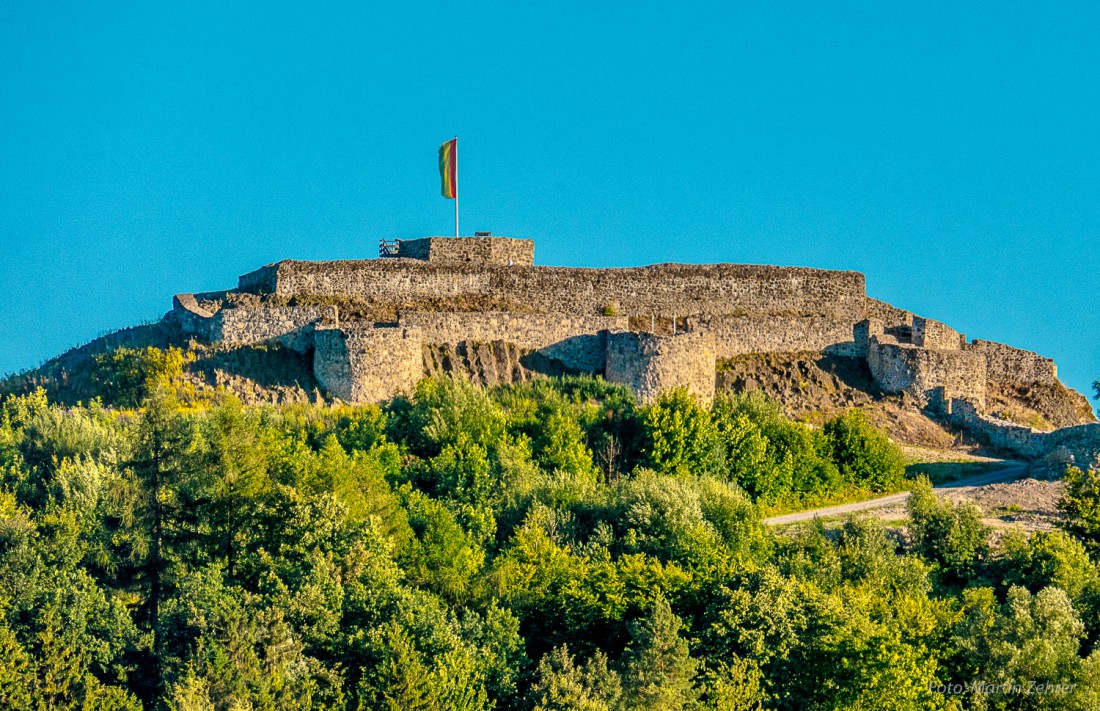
<point>545,545</point>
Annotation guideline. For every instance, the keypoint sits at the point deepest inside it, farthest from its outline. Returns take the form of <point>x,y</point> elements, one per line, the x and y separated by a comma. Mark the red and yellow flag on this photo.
<point>448,168</point>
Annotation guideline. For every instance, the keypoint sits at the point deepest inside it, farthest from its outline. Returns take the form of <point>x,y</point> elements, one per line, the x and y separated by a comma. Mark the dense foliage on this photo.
<point>544,546</point>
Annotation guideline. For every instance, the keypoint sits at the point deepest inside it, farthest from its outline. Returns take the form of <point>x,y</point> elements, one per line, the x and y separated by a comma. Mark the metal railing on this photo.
<point>387,248</point>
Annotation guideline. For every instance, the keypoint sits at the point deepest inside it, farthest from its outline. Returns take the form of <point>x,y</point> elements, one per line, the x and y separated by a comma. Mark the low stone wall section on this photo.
<point>650,364</point>
<point>899,368</point>
<point>740,335</point>
<point>193,319</point>
<point>368,364</point>
<point>928,333</point>
<point>1080,444</point>
<point>1014,365</point>
<point>890,316</point>
<point>289,326</point>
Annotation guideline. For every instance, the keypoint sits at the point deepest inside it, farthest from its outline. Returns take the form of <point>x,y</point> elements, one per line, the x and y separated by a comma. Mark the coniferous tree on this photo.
<point>659,670</point>
<point>162,464</point>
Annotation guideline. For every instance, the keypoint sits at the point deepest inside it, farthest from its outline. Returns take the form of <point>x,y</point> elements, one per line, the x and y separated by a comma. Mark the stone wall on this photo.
<point>651,364</point>
<point>193,319</point>
<point>1021,441</point>
<point>368,364</point>
<point>889,315</point>
<point>734,310</point>
<point>1080,444</point>
<point>264,280</point>
<point>662,290</point>
<point>739,335</point>
<point>1013,365</point>
<point>864,332</point>
<point>899,368</point>
<point>571,339</point>
<point>927,333</point>
<point>482,250</point>
<point>289,326</point>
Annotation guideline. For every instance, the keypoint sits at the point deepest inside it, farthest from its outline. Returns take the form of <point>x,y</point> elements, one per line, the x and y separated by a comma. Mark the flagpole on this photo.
<point>456,186</point>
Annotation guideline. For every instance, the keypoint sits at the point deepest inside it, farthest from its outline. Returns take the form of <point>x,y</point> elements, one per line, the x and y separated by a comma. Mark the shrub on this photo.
<point>681,437</point>
<point>127,376</point>
<point>769,456</point>
<point>1081,504</point>
<point>950,536</point>
<point>864,456</point>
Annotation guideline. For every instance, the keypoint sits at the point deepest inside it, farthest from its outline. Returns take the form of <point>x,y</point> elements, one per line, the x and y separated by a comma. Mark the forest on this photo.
<point>542,546</point>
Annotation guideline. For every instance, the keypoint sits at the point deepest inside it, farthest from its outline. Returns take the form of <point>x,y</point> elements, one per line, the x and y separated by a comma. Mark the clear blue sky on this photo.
<point>952,154</point>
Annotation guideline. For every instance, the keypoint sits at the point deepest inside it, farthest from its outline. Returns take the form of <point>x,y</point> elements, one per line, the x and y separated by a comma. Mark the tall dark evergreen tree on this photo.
<point>163,463</point>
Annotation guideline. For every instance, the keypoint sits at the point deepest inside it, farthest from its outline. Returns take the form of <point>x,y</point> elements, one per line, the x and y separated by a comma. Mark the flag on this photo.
<point>448,168</point>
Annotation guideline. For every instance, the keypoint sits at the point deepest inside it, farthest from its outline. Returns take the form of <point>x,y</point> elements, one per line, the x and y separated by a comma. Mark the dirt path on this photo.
<point>1011,471</point>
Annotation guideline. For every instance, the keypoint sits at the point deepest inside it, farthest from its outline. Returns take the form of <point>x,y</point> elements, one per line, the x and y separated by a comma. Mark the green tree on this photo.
<point>149,505</point>
<point>864,456</point>
<point>951,536</point>
<point>1047,558</point>
<point>126,377</point>
<point>734,685</point>
<point>564,685</point>
<point>680,436</point>
<point>1081,505</point>
<point>769,456</point>
<point>443,557</point>
<point>1026,640</point>
<point>16,673</point>
<point>239,463</point>
<point>658,670</point>
<point>663,517</point>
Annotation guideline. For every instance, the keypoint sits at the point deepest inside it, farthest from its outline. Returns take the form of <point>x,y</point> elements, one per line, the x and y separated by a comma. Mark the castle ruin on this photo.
<point>367,324</point>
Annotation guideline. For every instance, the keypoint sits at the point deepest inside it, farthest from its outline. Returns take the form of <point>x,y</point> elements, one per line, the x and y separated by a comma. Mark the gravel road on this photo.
<point>1012,470</point>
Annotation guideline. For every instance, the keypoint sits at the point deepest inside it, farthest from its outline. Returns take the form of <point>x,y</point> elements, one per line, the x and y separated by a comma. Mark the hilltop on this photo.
<point>479,308</point>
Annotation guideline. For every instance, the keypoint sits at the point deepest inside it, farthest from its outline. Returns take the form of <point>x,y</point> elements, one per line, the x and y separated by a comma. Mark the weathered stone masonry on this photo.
<point>483,250</point>
<point>448,291</point>
<point>650,364</point>
<point>661,290</point>
<point>367,364</point>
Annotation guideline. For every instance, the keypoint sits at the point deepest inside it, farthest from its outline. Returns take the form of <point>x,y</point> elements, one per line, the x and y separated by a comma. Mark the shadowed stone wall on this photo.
<point>571,339</point>
<point>290,326</point>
